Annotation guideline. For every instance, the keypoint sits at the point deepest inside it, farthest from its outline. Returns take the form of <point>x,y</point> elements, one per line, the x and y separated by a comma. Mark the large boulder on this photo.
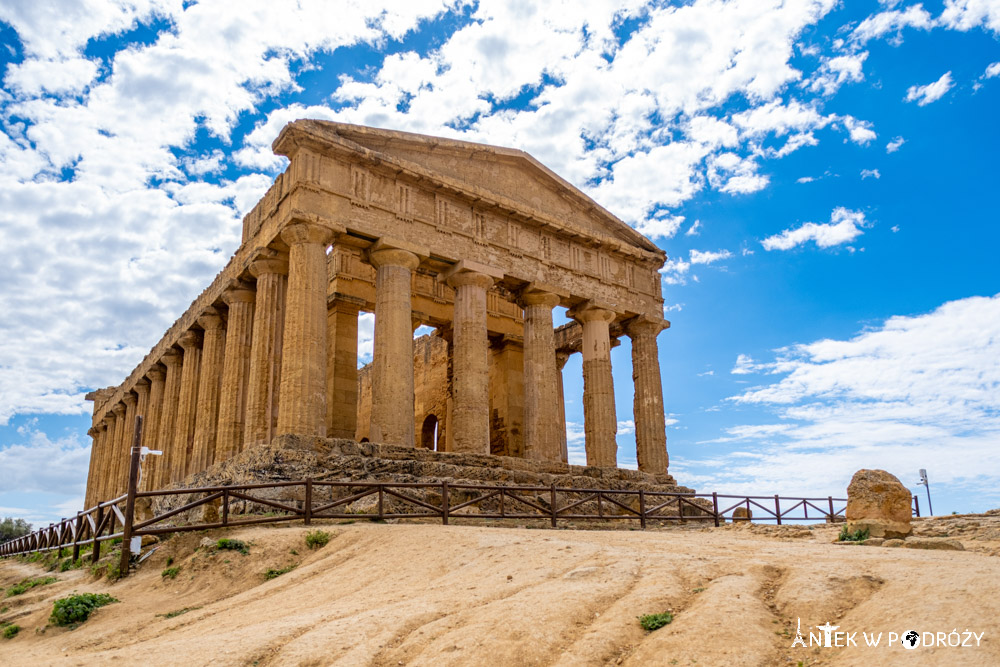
<point>878,501</point>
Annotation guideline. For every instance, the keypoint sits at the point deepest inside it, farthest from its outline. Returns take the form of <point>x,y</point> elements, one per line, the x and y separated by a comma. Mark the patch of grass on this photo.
<point>650,622</point>
<point>70,564</point>
<point>170,561</point>
<point>114,569</point>
<point>11,631</point>
<point>73,610</point>
<point>317,539</point>
<point>4,610</point>
<point>178,612</point>
<point>233,545</point>
<point>170,573</point>
<point>698,590</point>
<point>293,552</point>
<point>274,574</point>
<point>28,584</point>
<point>857,536</point>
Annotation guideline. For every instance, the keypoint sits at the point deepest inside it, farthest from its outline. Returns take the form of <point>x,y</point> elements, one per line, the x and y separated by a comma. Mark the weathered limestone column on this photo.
<point>117,449</point>
<point>650,424</point>
<point>265,350</point>
<point>392,373</point>
<point>213,354</point>
<point>102,463</point>
<point>107,458</point>
<point>235,371</point>
<point>599,417</point>
<point>168,416</point>
<point>302,409</point>
<point>131,402</point>
<point>561,359</point>
<point>92,471</point>
<point>156,374</point>
<point>541,382</point>
<point>142,410</point>
<point>187,404</point>
<point>470,362</point>
<point>342,369</point>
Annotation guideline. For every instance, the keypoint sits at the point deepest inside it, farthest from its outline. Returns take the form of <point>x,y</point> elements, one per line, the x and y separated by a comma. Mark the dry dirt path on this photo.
<point>463,595</point>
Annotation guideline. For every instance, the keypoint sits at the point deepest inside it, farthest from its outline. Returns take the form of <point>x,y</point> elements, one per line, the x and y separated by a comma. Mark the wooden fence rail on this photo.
<point>311,499</point>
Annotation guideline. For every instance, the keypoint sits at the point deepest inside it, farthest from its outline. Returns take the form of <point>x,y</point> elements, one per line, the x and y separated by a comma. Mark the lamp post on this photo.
<point>923,481</point>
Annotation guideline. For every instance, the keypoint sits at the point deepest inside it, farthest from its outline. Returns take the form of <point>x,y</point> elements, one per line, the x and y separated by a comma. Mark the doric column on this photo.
<point>142,410</point>
<point>392,358</point>
<point>302,410</point>
<point>650,425</point>
<point>156,374</point>
<point>107,458</point>
<point>470,363</point>
<point>236,369</point>
<point>561,359</point>
<point>92,472</point>
<point>265,350</point>
<point>541,384</point>
<point>187,404</point>
<point>213,353</point>
<point>599,417</point>
<point>342,369</point>
<point>117,449</point>
<point>168,416</point>
<point>131,402</point>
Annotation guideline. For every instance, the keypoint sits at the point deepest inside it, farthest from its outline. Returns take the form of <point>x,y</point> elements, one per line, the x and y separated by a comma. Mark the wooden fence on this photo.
<point>311,499</point>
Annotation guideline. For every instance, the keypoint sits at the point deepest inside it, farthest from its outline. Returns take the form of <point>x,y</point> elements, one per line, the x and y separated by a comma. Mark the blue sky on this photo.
<point>822,176</point>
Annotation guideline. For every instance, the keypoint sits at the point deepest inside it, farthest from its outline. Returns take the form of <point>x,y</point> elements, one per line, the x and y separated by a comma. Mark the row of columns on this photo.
<point>285,363</point>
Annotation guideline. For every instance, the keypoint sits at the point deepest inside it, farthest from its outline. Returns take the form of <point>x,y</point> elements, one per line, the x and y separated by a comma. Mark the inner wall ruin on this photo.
<point>478,242</point>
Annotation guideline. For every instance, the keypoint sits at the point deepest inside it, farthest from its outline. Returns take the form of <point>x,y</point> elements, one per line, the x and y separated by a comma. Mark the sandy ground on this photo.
<point>410,594</point>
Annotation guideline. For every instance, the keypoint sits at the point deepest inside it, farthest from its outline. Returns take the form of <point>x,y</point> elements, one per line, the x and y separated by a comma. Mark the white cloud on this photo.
<point>694,229</point>
<point>870,173</point>
<point>674,271</point>
<point>837,71</point>
<point>895,21</point>
<point>860,131</point>
<point>895,145</point>
<point>805,179</point>
<point>992,71</point>
<point>845,225</point>
<point>932,92</point>
<point>968,14</point>
<point>709,257</point>
<point>663,226</point>
<point>44,465</point>
<point>917,391</point>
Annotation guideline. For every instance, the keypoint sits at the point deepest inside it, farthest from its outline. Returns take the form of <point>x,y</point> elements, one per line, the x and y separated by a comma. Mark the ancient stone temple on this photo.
<point>478,242</point>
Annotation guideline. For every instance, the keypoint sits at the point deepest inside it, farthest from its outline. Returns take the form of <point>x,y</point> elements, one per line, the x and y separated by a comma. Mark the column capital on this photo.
<point>130,399</point>
<point>263,265</point>
<point>210,319</point>
<point>394,257</point>
<point>469,278</point>
<point>92,431</point>
<point>118,409</point>
<point>588,311</point>
<point>190,340</point>
<point>644,325</point>
<point>465,272</point>
<point>307,232</point>
<point>172,358</point>
<point>108,421</point>
<point>142,383</point>
<point>239,295</point>
<point>102,425</point>
<point>538,298</point>
<point>156,372</point>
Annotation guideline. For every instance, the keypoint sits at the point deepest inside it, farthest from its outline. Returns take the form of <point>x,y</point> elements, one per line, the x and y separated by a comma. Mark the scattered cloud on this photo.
<point>870,173</point>
<point>694,229</point>
<point>709,257</point>
<point>805,179</point>
<point>895,145</point>
<point>992,71</point>
<point>845,225</point>
<point>932,92</point>
<point>881,24</point>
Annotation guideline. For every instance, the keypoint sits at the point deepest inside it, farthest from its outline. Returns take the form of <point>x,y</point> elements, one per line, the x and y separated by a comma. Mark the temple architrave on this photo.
<point>478,242</point>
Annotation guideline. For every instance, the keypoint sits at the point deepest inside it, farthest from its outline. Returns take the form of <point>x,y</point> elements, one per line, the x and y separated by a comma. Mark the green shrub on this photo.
<point>857,536</point>
<point>650,622</point>
<point>11,631</point>
<point>28,584</point>
<point>233,545</point>
<point>170,561</point>
<point>274,574</point>
<point>170,573</point>
<point>75,609</point>
<point>317,539</point>
<point>70,564</point>
<point>178,612</point>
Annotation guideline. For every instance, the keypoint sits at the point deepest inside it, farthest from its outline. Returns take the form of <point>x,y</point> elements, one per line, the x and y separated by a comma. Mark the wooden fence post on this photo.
<point>715,507</point>
<point>225,507</point>
<point>552,501</point>
<point>133,483</point>
<point>830,498</point>
<point>309,500</point>
<point>445,502</point>
<point>95,554</point>
<point>916,505</point>
<point>381,512</point>
<point>777,509</point>
<point>642,509</point>
<point>76,536</point>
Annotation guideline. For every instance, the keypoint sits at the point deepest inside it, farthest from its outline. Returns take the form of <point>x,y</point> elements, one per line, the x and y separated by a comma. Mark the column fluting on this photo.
<point>650,421</point>
<point>265,351</point>
<point>541,384</point>
<point>213,354</point>
<point>236,370</point>
<point>471,410</point>
<point>599,416</point>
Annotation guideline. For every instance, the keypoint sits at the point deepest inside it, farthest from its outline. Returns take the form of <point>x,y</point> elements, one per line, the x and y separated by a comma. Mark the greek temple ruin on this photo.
<point>478,242</point>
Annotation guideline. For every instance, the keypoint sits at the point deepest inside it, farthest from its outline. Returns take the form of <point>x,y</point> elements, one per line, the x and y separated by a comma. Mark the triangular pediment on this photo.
<point>511,174</point>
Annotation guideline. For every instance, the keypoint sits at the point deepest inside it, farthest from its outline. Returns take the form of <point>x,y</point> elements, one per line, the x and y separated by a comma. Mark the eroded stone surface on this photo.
<point>879,503</point>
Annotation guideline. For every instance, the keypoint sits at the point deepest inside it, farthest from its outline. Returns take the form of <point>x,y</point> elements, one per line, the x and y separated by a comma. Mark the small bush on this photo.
<point>11,631</point>
<point>317,539</point>
<point>28,584</point>
<point>857,536</point>
<point>650,622</point>
<point>233,545</point>
<point>170,561</point>
<point>170,573</point>
<point>75,609</point>
<point>274,574</point>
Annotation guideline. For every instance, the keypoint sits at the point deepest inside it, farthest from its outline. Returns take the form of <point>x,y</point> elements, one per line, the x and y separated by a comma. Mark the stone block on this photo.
<point>879,503</point>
